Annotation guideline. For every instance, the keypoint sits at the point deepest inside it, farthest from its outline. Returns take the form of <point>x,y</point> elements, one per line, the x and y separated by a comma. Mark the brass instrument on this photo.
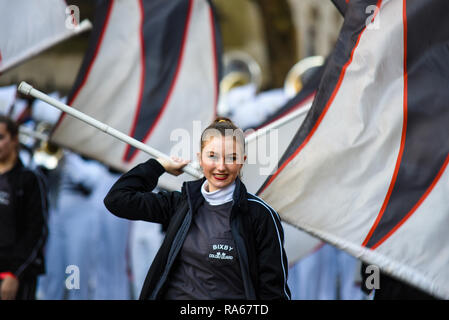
<point>45,153</point>
<point>295,77</point>
<point>239,69</point>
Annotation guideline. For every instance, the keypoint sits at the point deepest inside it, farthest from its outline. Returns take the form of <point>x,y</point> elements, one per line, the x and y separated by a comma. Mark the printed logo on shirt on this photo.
<point>222,252</point>
<point>4,198</point>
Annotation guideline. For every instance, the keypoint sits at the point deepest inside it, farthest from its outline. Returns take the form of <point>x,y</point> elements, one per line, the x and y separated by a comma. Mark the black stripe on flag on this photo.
<point>218,46</point>
<point>426,146</point>
<point>353,26</point>
<point>341,5</point>
<point>164,29</point>
<point>103,10</point>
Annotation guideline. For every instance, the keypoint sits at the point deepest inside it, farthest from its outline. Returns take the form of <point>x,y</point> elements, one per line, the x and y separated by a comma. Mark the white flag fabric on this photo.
<point>151,71</point>
<point>266,143</point>
<point>29,27</point>
<point>264,148</point>
<point>367,171</point>
<point>7,98</point>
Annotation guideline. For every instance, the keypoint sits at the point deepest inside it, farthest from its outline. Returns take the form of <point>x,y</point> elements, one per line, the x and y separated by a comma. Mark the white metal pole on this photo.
<point>278,123</point>
<point>27,89</point>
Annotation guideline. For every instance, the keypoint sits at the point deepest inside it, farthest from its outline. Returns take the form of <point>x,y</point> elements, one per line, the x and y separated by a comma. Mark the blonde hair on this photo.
<point>224,127</point>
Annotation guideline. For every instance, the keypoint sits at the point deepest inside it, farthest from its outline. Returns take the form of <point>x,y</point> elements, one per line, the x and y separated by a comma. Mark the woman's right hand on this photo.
<point>173,166</point>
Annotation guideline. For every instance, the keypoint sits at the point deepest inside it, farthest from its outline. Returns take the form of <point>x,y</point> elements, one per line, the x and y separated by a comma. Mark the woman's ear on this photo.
<point>198,155</point>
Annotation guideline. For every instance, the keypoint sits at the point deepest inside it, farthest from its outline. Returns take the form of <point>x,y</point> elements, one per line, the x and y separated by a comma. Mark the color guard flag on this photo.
<point>267,143</point>
<point>263,148</point>
<point>151,71</point>
<point>29,27</point>
<point>368,169</point>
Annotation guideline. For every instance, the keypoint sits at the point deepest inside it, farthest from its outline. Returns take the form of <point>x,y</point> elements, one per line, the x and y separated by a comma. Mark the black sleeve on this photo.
<point>33,224</point>
<point>272,259</point>
<point>131,197</point>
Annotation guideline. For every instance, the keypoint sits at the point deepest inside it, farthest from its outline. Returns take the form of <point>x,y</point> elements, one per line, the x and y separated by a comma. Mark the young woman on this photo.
<point>23,228</point>
<point>221,242</point>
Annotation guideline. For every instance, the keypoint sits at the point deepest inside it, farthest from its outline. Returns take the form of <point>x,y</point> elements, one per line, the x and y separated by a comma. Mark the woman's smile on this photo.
<point>221,160</point>
<point>220,176</point>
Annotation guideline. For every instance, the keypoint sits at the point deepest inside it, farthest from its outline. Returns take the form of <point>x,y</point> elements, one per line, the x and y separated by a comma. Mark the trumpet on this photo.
<point>240,69</point>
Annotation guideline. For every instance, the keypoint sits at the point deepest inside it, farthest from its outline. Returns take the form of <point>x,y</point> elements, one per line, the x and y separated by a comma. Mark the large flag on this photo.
<point>368,169</point>
<point>29,27</point>
<point>151,71</point>
<point>267,143</point>
<point>264,147</point>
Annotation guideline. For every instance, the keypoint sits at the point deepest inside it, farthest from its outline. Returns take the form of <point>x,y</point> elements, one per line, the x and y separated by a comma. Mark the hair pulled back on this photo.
<point>222,127</point>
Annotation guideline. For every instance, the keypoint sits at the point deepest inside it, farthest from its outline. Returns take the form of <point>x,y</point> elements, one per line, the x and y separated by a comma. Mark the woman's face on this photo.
<point>7,143</point>
<point>221,160</point>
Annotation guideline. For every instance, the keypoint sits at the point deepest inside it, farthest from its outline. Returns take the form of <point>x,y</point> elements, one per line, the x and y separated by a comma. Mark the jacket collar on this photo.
<point>192,191</point>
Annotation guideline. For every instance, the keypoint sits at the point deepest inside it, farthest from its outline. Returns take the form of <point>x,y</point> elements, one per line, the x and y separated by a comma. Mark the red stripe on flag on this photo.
<point>97,49</point>
<point>403,137</point>
<point>89,68</point>
<point>142,78</point>
<point>326,108</point>
<point>416,206</point>
<point>178,67</point>
<point>442,169</point>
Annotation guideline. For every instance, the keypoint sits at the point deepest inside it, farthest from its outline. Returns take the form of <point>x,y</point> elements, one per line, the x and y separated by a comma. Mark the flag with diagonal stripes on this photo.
<point>368,169</point>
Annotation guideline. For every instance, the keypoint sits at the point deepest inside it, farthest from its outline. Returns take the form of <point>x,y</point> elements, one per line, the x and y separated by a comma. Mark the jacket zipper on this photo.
<point>177,244</point>
<point>173,253</point>
<point>244,266</point>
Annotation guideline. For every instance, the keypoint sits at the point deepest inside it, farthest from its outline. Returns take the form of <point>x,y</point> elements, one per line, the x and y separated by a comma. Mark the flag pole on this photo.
<point>293,116</point>
<point>27,89</point>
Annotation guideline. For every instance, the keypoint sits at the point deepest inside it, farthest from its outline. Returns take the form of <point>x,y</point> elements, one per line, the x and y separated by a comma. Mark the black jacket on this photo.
<point>25,256</point>
<point>256,229</point>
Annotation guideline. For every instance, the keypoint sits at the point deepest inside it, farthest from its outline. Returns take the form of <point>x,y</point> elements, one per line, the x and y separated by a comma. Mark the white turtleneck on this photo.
<point>219,196</point>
